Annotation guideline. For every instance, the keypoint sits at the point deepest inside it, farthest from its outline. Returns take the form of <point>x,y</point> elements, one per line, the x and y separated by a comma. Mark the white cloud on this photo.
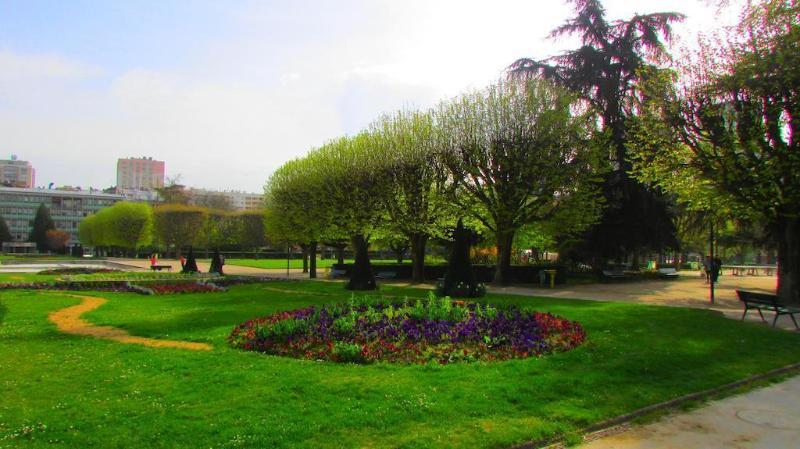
<point>293,76</point>
<point>15,67</point>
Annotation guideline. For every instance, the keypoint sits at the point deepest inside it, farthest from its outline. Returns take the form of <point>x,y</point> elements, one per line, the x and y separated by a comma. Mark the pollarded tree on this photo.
<point>519,152</point>
<point>178,226</point>
<point>41,224</point>
<point>417,205</point>
<point>607,71</point>
<point>297,208</point>
<point>130,224</point>
<point>738,123</point>
<point>355,192</point>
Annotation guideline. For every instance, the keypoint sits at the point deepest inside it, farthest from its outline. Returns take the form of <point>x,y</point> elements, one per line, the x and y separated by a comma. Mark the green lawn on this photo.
<point>298,263</point>
<point>76,392</point>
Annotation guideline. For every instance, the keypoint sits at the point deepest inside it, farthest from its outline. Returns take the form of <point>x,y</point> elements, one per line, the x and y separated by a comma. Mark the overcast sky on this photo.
<point>226,91</point>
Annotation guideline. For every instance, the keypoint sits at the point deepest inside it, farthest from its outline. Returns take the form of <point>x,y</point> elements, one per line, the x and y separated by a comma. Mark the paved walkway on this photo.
<point>767,418</point>
<point>144,264</point>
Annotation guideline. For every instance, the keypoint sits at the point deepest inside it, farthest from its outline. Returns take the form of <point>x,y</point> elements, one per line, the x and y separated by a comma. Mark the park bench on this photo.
<point>764,301</point>
<point>613,274</point>
<point>337,272</point>
<point>161,267</point>
<point>668,273</point>
<point>386,275</point>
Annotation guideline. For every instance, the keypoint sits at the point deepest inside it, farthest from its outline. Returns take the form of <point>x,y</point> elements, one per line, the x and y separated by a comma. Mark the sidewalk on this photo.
<point>144,264</point>
<point>767,418</point>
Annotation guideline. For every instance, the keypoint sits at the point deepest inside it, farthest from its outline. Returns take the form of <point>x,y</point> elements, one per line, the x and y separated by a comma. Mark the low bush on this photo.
<point>433,329</point>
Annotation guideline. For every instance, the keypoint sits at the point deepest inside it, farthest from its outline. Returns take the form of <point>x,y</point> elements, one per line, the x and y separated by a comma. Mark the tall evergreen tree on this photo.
<point>41,224</point>
<point>606,71</point>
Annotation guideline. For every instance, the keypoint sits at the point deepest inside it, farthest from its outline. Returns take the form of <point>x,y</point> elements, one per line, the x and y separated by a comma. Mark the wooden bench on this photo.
<point>161,267</point>
<point>336,272</point>
<point>668,273</point>
<point>613,274</point>
<point>386,275</point>
<point>764,301</point>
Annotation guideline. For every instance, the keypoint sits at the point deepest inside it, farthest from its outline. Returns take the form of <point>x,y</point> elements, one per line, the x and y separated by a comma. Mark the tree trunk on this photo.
<point>362,277</point>
<point>418,242</point>
<point>340,254</point>
<point>504,242</point>
<point>312,255</point>
<point>305,257</point>
<point>789,262</point>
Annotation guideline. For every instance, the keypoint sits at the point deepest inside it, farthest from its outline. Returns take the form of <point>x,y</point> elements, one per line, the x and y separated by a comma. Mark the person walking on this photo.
<point>707,268</point>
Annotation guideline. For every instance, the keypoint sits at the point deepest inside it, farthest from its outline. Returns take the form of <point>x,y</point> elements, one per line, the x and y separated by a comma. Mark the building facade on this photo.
<point>67,208</point>
<point>237,200</point>
<point>139,174</point>
<point>14,173</point>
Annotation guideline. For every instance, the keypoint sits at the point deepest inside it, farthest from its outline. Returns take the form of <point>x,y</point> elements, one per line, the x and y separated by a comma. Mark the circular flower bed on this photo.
<point>436,329</point>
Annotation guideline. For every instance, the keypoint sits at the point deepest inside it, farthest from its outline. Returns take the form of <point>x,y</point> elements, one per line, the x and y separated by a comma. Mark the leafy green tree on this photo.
<point>250,229</point>
<point>41,224</point>
<point>737,122</point>
<point>178,226</point>
<point>355,191</point>
<point>221,229</point>
<point>124,225</point>
<point>518,155</point>
<point>606,71</point>
<point>417,205</point>
<point>297,208</point>
<point>5,234</point>
<point>56,239</point>
<point>174,193</point>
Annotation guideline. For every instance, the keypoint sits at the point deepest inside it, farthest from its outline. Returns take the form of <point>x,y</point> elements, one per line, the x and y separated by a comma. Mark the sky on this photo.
<point>225,92</point>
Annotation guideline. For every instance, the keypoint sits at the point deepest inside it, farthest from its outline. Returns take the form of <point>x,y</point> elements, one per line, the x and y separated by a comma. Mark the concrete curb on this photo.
<point>604,428</point>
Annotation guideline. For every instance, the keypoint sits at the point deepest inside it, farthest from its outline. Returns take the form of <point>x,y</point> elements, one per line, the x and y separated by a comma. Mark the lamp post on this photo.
<point>711,262</point>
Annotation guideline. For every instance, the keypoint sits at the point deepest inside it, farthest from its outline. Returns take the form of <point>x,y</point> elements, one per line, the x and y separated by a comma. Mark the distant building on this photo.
<point>67,208</point>
<point>14,173</point>
<point>140,195</point>
<point>237,200</point>
<point>139,174</point>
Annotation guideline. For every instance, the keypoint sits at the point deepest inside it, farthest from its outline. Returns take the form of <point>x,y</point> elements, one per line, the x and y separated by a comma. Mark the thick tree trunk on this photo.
<point>504,242</point>
<point>789,262</point>
<point>362,277</point>
<point>312,255</point>
<point>418,242</point>
<point>305,257</point>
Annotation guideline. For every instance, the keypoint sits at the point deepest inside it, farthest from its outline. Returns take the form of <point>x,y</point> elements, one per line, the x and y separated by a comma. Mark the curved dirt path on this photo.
<point>69,321</point>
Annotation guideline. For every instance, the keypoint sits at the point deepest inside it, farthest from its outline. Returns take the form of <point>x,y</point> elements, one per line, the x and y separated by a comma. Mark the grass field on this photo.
<point>58,390</point>
<point>298,263</point>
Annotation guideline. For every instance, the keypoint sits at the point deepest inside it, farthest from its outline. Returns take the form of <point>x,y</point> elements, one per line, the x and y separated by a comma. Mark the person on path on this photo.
<point>153,260</point>
<point>716,268</point>
<point>183,262</point>
<point>707,268</point>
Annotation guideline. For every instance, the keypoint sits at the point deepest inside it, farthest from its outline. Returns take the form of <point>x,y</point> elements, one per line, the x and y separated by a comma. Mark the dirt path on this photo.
<point>69,321</point>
